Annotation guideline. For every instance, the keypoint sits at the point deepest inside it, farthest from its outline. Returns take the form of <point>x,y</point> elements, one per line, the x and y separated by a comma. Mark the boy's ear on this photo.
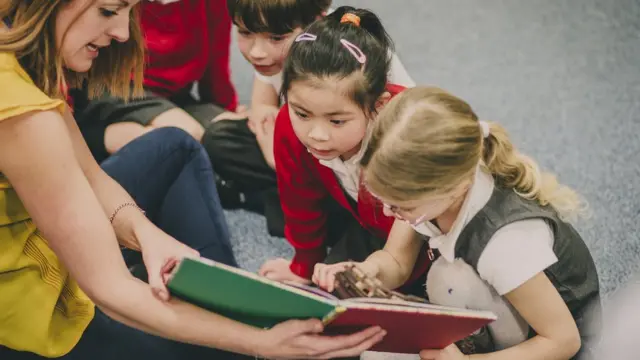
<point>383,100</point>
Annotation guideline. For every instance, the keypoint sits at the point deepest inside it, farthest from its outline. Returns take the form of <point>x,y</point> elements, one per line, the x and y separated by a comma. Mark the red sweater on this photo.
<point>303,184</point>
<point>189,41</point>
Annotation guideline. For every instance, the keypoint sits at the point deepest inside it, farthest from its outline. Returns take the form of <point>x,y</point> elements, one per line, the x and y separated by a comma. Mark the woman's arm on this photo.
<point>37,157</point>
<point>110,194</point>
<point>398,257</point>
<point>540,304</point>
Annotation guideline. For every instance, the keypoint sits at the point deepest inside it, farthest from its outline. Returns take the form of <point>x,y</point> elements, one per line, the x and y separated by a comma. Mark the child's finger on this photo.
<point>331,278</point>
<point>323,277</point>
<point>316,270</point>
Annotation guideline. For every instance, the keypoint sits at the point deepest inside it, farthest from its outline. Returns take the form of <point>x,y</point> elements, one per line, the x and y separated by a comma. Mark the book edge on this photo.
<point>258,278</point>
<point>461,313</point>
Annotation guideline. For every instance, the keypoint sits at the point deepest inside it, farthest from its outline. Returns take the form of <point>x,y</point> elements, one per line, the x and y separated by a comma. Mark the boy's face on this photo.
<point>265,51</point>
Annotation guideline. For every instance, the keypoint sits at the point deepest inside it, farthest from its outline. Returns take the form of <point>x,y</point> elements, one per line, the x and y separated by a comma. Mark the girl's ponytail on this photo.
<point>513,169</point>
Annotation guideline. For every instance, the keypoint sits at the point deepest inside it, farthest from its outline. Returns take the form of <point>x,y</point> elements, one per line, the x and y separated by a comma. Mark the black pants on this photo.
<point>94,116</point>
<point>245,178</point>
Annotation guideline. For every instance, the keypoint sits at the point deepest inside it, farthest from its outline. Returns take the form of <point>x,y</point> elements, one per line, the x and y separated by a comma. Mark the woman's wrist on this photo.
<point>129,223</point>
<point>259,344</point>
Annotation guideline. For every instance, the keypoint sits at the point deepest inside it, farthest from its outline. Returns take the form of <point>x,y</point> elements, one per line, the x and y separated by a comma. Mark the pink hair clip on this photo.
<point>355,51</point>
<point>306,37</point>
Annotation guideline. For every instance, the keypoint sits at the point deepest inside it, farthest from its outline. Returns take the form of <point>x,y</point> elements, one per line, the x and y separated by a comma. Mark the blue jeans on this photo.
<point>169,175</point>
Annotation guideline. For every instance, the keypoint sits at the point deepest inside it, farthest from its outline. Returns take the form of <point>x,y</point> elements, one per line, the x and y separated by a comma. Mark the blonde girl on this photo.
<point>495,225</point>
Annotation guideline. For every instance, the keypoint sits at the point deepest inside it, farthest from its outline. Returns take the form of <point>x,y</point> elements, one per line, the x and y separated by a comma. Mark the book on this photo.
<point>254,300</point>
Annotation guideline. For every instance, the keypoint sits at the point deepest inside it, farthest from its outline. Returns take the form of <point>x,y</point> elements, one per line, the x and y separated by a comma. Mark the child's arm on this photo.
<point>541,306</point>
<point>396,260</point>
<point>263,93</point>
<point>264,104</point>
<point>392,265</point>
<point>302,197</point>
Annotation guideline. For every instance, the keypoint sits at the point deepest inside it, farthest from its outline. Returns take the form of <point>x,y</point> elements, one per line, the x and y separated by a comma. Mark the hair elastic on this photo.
<point>486,129</point>
<point>355,51</point>
<point>350,18</point>
<point>306,37</point>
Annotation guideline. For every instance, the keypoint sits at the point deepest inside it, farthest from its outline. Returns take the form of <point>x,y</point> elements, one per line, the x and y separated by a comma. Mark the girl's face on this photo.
<point>427,208</point>
<point>326,120</point>
<point>83,27</point>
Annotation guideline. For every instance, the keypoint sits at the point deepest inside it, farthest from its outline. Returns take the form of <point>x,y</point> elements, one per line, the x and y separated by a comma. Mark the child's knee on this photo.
<point>178,118</point>
<point>117,135</point>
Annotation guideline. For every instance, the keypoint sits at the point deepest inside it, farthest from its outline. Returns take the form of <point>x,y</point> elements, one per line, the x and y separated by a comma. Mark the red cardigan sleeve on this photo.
<point>216,86</point>
<point>302,195</point>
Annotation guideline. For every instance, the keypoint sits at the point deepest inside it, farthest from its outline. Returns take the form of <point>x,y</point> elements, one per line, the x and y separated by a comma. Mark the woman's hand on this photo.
<point>324,275</point>
<point>451,352</point>
<point>161,253</point>
<point>279,270</point>
<point>301,339</point>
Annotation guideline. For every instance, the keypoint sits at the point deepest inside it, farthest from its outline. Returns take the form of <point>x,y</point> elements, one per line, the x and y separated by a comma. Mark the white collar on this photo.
<point>476,199</point>
<point>354,162</point>
<point>337,163</point>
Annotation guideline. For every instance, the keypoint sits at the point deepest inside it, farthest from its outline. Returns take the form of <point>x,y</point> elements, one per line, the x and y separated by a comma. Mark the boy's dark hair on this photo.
<point>275,16</point>
<point>326,57</point>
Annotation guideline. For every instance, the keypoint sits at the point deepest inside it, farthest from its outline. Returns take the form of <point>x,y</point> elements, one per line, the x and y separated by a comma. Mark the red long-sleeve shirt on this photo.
<point>304,183</point>
<point>189,41</point>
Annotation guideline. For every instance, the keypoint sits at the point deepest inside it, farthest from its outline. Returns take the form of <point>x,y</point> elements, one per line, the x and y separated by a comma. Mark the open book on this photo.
<point>257,301</point>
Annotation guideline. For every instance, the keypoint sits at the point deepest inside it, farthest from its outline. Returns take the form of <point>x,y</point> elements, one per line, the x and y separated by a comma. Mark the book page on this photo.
<point>401,305</point>
<point>311,289</point>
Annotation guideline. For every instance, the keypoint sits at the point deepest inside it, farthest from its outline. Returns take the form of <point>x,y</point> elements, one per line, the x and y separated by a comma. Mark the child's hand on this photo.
<point>260,114</point>
<point>451,352</point>
<point>264,136</point>
<point>324,275</point>
<point>278,270</point>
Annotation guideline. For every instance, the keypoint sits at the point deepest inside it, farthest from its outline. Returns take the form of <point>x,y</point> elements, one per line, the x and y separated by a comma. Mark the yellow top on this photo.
<point>42,310</point>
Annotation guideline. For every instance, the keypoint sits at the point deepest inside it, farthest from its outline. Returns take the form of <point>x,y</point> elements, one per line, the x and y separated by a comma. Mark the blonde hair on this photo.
<point>426,141</point>
<point>32,38</point>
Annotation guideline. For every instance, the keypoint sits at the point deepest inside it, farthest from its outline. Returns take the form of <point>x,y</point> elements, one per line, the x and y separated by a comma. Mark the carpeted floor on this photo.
<point>562,76</point>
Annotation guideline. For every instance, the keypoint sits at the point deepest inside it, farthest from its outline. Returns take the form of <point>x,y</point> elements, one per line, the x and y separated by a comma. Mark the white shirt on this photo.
<point>348,172</point>
<point>515,253</point>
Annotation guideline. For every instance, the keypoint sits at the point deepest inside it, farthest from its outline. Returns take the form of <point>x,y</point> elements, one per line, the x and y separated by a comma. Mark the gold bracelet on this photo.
<point>122,206</point>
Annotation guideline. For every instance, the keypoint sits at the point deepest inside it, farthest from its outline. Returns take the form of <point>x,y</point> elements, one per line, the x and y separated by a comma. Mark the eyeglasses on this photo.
<point>398,212</point>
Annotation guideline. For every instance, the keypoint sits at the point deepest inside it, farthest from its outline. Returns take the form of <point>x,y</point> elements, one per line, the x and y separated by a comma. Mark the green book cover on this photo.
<point>244,296</point>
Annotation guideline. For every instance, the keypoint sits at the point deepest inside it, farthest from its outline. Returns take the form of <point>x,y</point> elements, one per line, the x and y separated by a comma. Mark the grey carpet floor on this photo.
<point>562,76</point>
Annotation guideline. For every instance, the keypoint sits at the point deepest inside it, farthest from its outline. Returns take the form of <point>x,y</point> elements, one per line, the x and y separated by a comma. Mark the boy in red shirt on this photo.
<point>188,42</point>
